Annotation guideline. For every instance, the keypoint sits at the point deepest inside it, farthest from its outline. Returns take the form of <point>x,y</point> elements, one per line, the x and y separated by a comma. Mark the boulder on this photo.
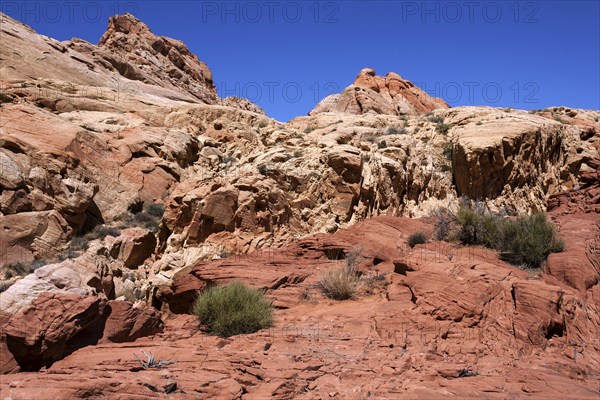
<point>127,322</point>
<point>133,246</point>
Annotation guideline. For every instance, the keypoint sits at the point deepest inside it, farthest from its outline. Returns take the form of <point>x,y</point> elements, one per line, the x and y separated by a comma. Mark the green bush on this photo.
<point>436,120</point>
<point>341,283</point>
<point>527,240</point>
<point>233,310</point>
<point>443,128</point>
<point>477,226</point>
<point>101,232</point>
<point>156,210</point>
<point>530,239</point>
<point>416,238</point>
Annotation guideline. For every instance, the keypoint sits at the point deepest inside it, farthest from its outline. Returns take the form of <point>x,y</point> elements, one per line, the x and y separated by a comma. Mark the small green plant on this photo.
<point>298,153</point>
<point>382,144</point>
<point>371,138</point>
<point>309,129</point>
<point>436,120</point>
<point>443,128</point>
<point>448,151</point>
<point>416,238</point>
<point>558,118</point>
<point>146,220</point>
<point>151,362</point>
<point>101,232</point>
<point>155,210</point>
<point>341,283</point>
<point>233,310</point>
<point>392,130</point>
<point>79,243</point>
<point>263,124</point>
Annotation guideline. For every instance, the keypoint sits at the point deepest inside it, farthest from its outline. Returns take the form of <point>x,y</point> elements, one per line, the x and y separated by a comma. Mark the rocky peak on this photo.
<point>371,93</point>
<point>138,54</point>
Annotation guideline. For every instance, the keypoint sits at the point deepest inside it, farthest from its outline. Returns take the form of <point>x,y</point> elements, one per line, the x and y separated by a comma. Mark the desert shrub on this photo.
<point>146,220</point>
<point>448,151</point>
<point>101,232</point>
<point>263,124</point>
<point>79,243</point>
<point>392,130</point>
<point>233,310</point>
<point>382,144</point>
<point>478,226</point>
<point>309,129</point>
<point>340,283</point>
<point>443,128</point>
<point>298,153</point>
<point>444,220</point>
<point>527,240</point>
<point>352,258</point>
<point>416,238</point>
<point>155,210</point>
<point>371,138</point>
<point>530,239</point>
<point>436,120</point>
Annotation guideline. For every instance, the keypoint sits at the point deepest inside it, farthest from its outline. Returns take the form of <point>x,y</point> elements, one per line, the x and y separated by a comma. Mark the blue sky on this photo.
<point>287,55</point>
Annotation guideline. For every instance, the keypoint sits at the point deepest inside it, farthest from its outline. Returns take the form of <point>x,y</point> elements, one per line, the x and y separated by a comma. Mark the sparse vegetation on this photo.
<point>309,129</point>
<point>371,138</point>
<point>448,151</point>
<point>151,362</point>
<point>233,310</point>
<point>416,238</point>
<point>21,268</point>
<point>436,120</point>
<point>525,241</point>
<point>343,283</point>
<point>340,283</point>
<point>155,210</point>
<point>443,128</point>
<point>382,144</point>
<point>101,232</point>
<point>392,130</point>
<point>558,118</point>
<point>263,124</point>
<point>529,240</point>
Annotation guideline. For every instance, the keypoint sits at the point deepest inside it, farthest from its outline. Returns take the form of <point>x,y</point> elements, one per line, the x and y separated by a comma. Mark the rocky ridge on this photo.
<point>91,135</point>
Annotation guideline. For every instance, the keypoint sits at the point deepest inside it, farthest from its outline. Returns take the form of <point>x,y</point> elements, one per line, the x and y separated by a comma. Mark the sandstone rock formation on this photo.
<point>435,319</point>
<point>371,93</point>
<point>56,324</point>
<point>96,140</point>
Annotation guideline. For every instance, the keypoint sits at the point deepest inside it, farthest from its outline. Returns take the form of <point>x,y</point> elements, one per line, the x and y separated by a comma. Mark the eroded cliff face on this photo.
<point>91,134</point>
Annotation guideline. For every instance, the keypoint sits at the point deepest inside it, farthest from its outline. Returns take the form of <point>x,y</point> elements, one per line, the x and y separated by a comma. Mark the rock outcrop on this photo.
<point>371,93</point>
<point>432,319</point>
<point>122,170</point>
<point>56,324</point>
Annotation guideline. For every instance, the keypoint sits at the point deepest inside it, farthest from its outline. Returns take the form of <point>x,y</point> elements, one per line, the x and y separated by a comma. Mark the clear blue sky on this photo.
<point>287,55</point>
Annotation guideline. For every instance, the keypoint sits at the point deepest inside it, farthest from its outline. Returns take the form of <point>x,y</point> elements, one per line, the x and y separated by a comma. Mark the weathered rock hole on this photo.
<point>554,329</point>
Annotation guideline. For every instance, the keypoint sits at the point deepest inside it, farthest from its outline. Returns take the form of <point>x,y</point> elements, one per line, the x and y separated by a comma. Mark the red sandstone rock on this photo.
<point>127,322</point>
<point>370,93</point>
